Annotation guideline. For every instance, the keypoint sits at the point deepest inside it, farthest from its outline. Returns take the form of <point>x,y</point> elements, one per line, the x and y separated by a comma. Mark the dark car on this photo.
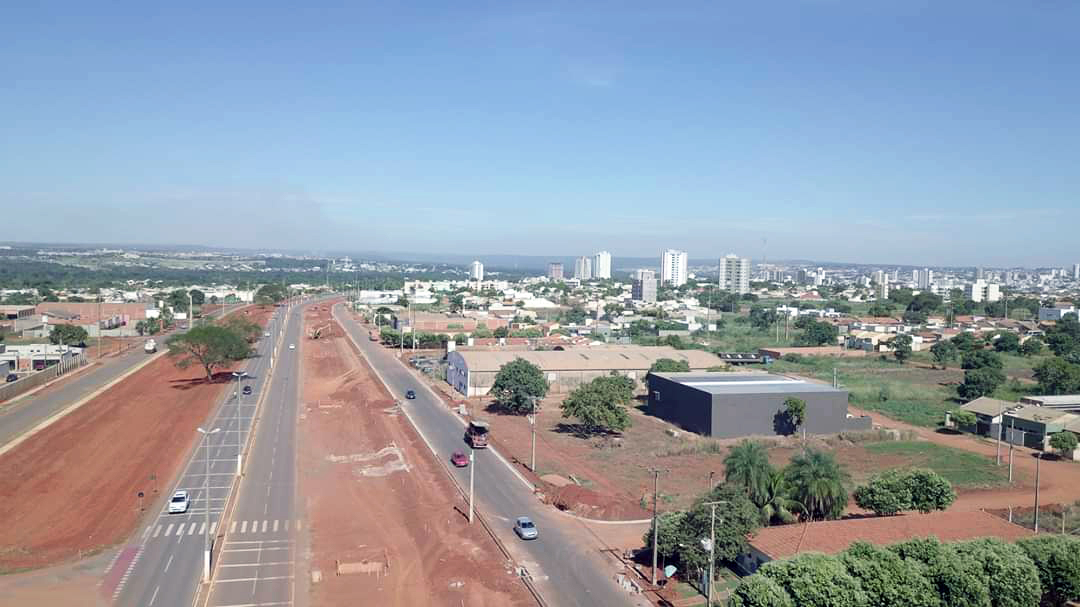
<point>11,377</point>
<point>247,390</point>
<point>410,395</point>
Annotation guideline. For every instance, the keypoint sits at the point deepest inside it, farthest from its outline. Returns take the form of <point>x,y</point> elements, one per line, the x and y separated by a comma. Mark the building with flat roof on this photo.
<point>1062,402</point>
<point>988,414</point>
<point>734,274</point>
<point>730,405</point>
<point>673,266</point>
<point>8,312</point>
<point>601,265</point>
<point>644,290</point>
<point>1031,426</point>
<point>472,372</point>
<point>831,537</point>
<point>555,270</point>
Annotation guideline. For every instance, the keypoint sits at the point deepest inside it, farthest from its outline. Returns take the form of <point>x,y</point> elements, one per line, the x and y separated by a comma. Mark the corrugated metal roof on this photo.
<point>629,358</point>
<point>1042,415</point>
<point>985,405</point>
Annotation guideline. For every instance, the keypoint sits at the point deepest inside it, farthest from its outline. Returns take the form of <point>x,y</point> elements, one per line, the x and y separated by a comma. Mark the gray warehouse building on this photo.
<point>730,405</point>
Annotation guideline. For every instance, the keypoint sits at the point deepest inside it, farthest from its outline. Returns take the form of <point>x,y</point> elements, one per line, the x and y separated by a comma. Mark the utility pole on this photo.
<point>472,473</point>
<point>99,324</point>
<point>1038,461</point>
<point>712,549</point>
<point>206,498</point>
<point>1010,453</point>
<point>1001,418</point>
<point>655,521</point>
<point>532,422</point>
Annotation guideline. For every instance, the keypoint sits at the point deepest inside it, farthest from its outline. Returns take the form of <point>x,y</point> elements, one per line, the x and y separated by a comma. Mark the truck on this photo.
<point>476,434</point>
<point>150,346</point>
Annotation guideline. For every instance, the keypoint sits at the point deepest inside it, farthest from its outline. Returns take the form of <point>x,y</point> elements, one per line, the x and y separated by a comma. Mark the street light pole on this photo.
<point>655,522</point>
<point>472,473</point>
<point>712,548</point>
<point>532,422</point>
<point>206,499</point>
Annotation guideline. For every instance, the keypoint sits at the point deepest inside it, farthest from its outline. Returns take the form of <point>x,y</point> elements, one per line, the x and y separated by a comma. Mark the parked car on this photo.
<point>11,377</point>
<point>247,390</point>
<point>525,529</point>
<point>178,504</point>
<point>292,346</point>
<point>267,334</point>
<point>410,394</point>
<point>459,459</point>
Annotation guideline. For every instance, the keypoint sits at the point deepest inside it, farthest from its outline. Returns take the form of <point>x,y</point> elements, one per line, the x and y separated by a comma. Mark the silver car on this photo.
<point>525,529</point>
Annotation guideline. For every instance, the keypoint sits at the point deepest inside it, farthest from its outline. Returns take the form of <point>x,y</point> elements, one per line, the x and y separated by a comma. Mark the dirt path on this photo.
<point>377,501</point>
<point>1059,479</point>
<point>72,489</point>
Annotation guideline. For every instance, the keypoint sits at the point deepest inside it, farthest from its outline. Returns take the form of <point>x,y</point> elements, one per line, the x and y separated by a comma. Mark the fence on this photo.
<point>15,388</point>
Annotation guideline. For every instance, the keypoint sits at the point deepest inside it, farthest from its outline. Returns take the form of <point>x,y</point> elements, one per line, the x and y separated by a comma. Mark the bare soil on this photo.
<point>72,490</point>
<point>377,502</point>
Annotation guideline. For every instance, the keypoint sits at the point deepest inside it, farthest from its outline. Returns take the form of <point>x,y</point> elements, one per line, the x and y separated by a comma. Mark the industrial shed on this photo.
<point>730,405</point>
<point>472,372</point>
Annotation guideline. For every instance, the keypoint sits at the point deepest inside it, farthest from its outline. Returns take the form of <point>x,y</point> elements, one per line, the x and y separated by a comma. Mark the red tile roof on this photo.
<point>834,536</point>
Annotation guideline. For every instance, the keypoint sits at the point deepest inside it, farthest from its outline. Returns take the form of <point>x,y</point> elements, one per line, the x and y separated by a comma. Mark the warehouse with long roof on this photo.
<point>473,372</point>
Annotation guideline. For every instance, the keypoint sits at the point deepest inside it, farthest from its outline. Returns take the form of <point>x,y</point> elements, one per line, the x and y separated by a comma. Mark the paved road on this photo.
<point>23,414</point>
<point>163,563</point>
<point>567,570</point>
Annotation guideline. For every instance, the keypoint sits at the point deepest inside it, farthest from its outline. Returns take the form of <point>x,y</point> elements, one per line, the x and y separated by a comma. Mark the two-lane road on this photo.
<point>567,571</point>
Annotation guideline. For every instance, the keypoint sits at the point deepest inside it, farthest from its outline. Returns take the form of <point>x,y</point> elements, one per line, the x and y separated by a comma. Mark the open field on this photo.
<point>964,470</point>
<point>71,490</point>
<point>375,497</point>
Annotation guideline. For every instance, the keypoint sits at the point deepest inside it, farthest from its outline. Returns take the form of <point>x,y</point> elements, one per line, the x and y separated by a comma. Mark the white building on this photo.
<point>926,278</point>
<point>673,268</point>
<point>583,268</point>
<point>601,265</point>
<point>883,290</point>
<point>734,274</point>
<point>476,272</point>
<point>644,290</point>
<point>1076,271</point>
<point>643,274</point>
<point>980,290</point>
<point>879,276</point>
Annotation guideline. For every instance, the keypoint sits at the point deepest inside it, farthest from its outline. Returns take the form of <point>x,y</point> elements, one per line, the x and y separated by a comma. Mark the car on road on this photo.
<point>267,334</point>
<point>525,529</point>
<point>411,394</point>
<point>178,503</point>
<point>246,390</point>
<point>292,346</point>
<point>11,377</point>
<point>459,459</point>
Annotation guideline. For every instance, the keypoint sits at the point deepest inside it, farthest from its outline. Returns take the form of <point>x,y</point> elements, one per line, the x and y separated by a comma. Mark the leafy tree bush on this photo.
<point>885,494</point>
<point>1032,347</point>
<point>747,466</point>
<point>817,333</point>
<point>965,342</point>
<point>816,580</point>
<point>817,482</point>
<point>681,533</point>
<point>943,352</point>
<point>1063,442</point>
<point>959,582</point>
<point>270,293</point>
<point>980,382</point>
<point>979,359</point>
<point>929,490</point>
<point>210,346</point>
<point>667,365</point>
<point>518,385</point>
<point>1057,557</point>
<point>1013,578</point>
<point>1057,376</point>
<point>963,419</point>
<point>69,335</point>
<point>1007,341</point>
<point>759,591</point>
<point>600,405</point>
<point>901,345</point>
<point>887,579</point>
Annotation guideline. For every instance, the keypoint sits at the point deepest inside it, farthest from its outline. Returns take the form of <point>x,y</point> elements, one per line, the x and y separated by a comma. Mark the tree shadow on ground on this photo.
<point>575,430</point>
<point>221,377</point>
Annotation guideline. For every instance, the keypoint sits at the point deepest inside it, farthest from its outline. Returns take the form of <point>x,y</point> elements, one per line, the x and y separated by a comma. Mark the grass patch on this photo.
<point>963,469</point>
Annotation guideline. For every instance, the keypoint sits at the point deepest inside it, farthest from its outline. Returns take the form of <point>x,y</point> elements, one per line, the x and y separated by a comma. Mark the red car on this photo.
<point>459,459</point>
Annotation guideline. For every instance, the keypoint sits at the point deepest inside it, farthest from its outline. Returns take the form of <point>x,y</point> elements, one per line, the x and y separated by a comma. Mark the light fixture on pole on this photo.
<point>206,501</point>
<point>710,546</point>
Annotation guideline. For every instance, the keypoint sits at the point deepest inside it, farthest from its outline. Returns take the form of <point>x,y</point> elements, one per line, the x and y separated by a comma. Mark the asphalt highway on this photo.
<point>566,569</point>
<point>22,415</point>
<point>163,563</point>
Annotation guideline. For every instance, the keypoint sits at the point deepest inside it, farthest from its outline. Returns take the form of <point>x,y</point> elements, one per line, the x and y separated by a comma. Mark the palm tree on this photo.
<point>817,482</point>
<point>776,502</point>
<point>747,465</point>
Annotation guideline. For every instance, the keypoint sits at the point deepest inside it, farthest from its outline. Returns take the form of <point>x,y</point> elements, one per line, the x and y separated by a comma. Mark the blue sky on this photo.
<point>894,132</point>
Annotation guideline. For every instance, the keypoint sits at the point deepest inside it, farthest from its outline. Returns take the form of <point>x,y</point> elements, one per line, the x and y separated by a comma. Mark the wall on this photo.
<point>15,388</point>
<point>682,405</point>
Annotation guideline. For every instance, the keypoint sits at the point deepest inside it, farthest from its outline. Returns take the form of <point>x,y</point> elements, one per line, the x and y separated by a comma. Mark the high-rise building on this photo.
<point>1076,271</point>
<point>601,265</point>
<point>673,268</point>
<point>734,274</point>
<point>583,268</point>
<point>643,274</point>
<point>979,274</point>
<point>879,277</point>
<point>555,271</point>
<point>925,278</point>
<point>980,290</point>
<point>476,272</point>
<point>644,289</point>
<point>915,277</point>
<point>883,290</point>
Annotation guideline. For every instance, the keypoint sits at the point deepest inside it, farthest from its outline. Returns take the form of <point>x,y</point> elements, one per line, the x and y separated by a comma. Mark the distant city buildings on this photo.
<point>673,267</point>
<point>643,274</point>
<point>879,277</point>
<point>734,274</point>
<point>980,290</point>
<point>601,265</point>
<point>644,289</point>
<point>883,290</point>
<point>924,278</point>
<point>583,269</point>
<point>476,272</point>
<point>555,271</point>
<point>1076,271</point>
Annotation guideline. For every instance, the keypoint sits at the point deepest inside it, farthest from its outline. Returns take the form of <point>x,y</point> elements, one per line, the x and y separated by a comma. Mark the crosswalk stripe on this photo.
<point>264,526</point>
<point>147,532</point>
<point>243,527</point>
<point>286,525</point>
<point>157,530</point>
<point>168,530</point>
<point>254,526</point>
<point>299,524</point>
<point>275,525</point>
<point>191,530</point>
<point>213,526</point>
<point>232,527</point>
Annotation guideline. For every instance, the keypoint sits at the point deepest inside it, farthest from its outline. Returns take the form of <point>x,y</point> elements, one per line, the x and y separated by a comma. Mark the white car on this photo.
<point>267,334</point>
<point>178,504</point>
<point>292,346</point>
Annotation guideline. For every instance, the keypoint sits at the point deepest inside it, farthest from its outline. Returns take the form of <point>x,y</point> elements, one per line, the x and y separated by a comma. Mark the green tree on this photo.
<point>1013,578</point>
<point>141,327</point>
<point>776,503</point>
<point>963,419</point>
<point>457,303</point>
<point>501,332</point>
<point>980,382</point>
<point>978,359</point>
<point>1007,341</point>
<point>943,352</point>
<point>667,365</point>
<point>1064,337</point>
<point>1057,376</point>
<point>1033,346</point>
<point>759,591</point>
<point>816,580</point>
<point>880,309</point>
<point>965,342</point>
<point>747,466</point>
<point>210,346</point>
<point>270,294</point>
<point>481,331</point>
<point>762,318</point>
<point>600,405</point>
<point>69,335</point>
<point>575,315</point>
<point>519,386</point>
<point>887,579</point>
<point>1063,442</point>
<point>198,298</point>
<point>885,494</point>
<point>1057,557</point>
<point>817,333</point>
<point>795,412</point>
<point>242,326</point>
<point>177,300</point>
<point>929,490</point>
<point>817,482</point>
<point>901,345</point>
<point>958,581</point>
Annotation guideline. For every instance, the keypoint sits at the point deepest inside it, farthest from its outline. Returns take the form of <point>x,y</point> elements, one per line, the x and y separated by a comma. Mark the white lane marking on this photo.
<point>252,579</point>
<point>275,525</point>
<point>264,549</point>
<point>147,532</point>
<point>243,528</point>
<point>202,529</point>
<point>286,525</point>
<point>268,563</point>
<point>275,604</point>
<point>235,542</point>
<point>169,530</point>
<point>157,530</point>
<point>213,527</point>
<point>232,527</point>
<point>154,597</point>
<point>180,529</point>
<point>264,526</point>
<point>170,562</point>
<point>191,530</point>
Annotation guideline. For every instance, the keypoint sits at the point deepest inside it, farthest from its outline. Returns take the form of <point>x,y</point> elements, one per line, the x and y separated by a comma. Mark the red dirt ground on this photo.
<point>71,490</point>
<point>403,522</point>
